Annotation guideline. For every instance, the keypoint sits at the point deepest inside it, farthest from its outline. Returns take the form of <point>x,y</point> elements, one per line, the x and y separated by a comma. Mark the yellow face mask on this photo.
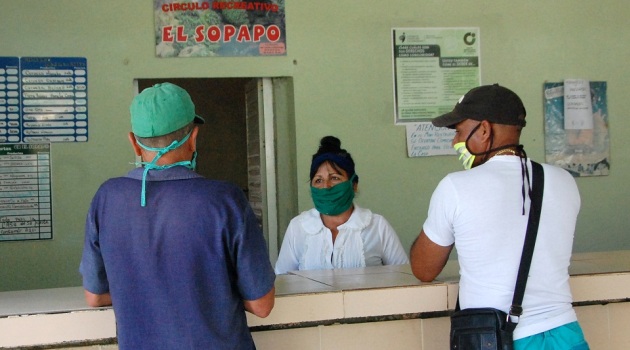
<point>465,157</point>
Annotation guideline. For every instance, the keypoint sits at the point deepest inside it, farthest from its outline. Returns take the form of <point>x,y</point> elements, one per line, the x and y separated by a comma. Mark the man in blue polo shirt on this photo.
<point>178,256</point>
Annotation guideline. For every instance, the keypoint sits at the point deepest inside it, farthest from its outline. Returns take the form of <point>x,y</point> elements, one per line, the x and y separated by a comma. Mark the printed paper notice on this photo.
<point>25,192</point>
<point>424,139</point>
<point>433,68</point>
<point>578,110</point>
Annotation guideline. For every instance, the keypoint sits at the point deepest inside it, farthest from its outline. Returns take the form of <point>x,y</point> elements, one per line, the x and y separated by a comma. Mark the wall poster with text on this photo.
<point>198,28</point>
<point>433,68</point>
<point>576,126</point>
<point>25,192</point>
<point>43,99</point>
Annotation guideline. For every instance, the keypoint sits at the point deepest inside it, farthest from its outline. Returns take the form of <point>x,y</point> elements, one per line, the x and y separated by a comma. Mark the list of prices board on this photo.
<point>25,192</point>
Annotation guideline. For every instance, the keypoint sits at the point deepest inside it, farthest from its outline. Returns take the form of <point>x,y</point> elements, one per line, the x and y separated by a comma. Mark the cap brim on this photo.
<point>448,120</point>
<point>199,120</point>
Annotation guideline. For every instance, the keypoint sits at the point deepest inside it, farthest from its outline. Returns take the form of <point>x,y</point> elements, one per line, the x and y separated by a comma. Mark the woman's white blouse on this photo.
<point>366,239</point>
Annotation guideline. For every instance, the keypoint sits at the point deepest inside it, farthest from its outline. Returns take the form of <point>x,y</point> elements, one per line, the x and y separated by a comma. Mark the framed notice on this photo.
<point>25,192</point>
<point>433,68</point>
<point>219,28</point>
<point>576,126</point>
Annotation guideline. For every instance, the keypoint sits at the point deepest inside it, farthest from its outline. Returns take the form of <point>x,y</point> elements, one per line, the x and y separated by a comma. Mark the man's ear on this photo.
<point>192,140</point>
<point>134,144</point>
<point>486,130</point>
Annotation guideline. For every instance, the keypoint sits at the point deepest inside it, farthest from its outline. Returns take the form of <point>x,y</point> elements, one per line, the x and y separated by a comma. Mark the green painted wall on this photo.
<point>339,56</point>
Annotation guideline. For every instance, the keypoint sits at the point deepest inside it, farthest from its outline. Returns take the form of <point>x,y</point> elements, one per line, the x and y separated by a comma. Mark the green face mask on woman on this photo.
<point>334,200</point>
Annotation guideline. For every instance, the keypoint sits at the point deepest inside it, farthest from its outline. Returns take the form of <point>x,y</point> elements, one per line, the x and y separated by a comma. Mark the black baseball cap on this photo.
<point>494,103</point>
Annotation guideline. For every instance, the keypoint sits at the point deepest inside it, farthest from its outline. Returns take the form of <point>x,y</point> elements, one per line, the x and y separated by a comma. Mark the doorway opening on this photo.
<point>248,139</point>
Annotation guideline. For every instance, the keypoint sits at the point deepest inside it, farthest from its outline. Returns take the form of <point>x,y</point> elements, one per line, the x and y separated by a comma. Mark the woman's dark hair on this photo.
<point>330,151</point>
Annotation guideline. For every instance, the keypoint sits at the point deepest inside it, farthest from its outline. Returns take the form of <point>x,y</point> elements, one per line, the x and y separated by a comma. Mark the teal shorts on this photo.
<point>567,337</point>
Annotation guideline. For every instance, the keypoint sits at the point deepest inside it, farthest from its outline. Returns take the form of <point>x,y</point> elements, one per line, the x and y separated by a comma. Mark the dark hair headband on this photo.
<point>343,162</point>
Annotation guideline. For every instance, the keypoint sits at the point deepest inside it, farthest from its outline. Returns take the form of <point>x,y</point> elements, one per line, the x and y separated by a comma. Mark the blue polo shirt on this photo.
<point>179,268</point>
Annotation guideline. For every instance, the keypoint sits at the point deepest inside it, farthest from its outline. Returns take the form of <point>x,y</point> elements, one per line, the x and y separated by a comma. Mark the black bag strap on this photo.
<point>538,185</point>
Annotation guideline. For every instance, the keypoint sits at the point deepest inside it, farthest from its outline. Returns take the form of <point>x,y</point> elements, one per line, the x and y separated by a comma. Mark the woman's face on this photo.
<point>327,176</point>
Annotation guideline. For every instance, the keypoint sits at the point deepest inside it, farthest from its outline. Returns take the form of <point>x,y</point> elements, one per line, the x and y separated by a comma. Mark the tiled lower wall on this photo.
<point>605,327</point>
<point>406,334</point>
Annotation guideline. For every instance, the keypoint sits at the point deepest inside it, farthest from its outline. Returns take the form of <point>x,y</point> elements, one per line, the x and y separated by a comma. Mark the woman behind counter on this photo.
<point>337,233</point>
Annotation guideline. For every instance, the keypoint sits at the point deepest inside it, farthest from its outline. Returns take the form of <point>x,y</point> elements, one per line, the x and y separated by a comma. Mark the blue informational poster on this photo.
<point>43,99</point>
<point>580,148</point>
<point>10,109</point>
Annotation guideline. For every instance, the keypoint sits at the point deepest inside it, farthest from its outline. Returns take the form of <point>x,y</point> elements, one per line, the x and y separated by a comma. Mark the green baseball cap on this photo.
<point>162,109</point>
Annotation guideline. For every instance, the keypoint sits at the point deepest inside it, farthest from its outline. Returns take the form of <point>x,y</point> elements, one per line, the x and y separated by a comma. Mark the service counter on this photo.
<point>369,308</point>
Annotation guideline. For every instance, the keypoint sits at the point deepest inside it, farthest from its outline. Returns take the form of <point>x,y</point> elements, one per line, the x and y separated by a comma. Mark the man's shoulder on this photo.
<point>464,175</point>
<point>202,186</point>
<point>218,186</point>
<point>555,170</point>
<point>116,182</point>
